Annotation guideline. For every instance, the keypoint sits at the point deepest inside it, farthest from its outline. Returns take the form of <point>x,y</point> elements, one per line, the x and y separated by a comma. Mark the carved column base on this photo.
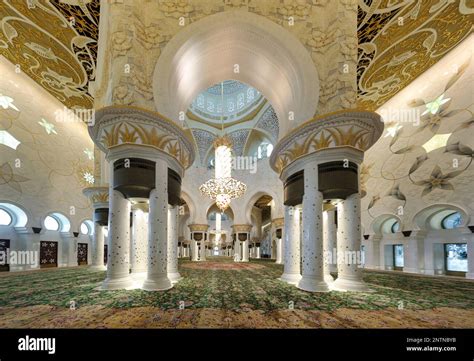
<point>118,284</point>
<point>311,284</point>
<point>157,284</point>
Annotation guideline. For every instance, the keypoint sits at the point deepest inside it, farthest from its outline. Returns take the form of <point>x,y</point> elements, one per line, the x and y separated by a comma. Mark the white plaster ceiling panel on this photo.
<point>52,164</point>
<point>425,155</point>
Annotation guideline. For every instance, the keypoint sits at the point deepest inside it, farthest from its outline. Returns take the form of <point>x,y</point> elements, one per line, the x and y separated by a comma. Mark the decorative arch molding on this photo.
<point>219,42</point>
<point>190,203</point>
<point>89,224</point>
<point>423,219</point>
<point>229,211</point>
<point>65,224</point>
<point>183,230</point>
<point>378,223</point>
<point>251,201</point>
<point>252,138</point>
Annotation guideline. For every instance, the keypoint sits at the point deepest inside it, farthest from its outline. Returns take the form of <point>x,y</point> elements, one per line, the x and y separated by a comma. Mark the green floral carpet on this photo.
<point>230,292</point>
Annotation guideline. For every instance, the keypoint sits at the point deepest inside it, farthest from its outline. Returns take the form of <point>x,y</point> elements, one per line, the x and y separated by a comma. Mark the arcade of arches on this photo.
<point>354,140</point>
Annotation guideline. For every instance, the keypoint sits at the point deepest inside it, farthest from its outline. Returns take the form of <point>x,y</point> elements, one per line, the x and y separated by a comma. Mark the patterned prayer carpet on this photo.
<point>220,293</point>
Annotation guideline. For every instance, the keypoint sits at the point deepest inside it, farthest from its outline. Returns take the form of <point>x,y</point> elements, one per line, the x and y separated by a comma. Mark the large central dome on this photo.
<point>239,99</point>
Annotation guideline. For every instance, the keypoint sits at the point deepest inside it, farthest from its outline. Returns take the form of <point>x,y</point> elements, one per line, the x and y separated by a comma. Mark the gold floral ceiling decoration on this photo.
<point>55,42</point>
<point>399,40</point>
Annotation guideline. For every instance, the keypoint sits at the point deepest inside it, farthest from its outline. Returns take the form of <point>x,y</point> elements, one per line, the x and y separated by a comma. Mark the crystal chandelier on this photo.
<point>223,188</point>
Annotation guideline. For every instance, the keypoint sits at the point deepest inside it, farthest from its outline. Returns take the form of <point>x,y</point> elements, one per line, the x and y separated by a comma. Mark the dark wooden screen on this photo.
<point>4,246</point>
<point>82,254</point>
<point>48,254</point>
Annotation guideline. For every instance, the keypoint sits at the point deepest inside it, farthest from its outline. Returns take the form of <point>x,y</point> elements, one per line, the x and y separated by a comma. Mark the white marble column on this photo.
<point>257,250</point>
<point>139,243</point>
<point>279,251</point>
<point>157,277</point>
<point>237,249</point>
<point>194,248</point>
<point>98,248</point>
<point>71,243</point>
<point>118,260</point>
<point>292,269</point>
<point>173,273</point>
<point>202,254</point>
<point>348,246</point>
<point>245,249</point>
<point>329,244</point>
<point>312,279</point>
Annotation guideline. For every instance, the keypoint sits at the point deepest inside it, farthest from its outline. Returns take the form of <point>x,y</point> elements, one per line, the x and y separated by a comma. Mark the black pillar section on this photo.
<point>135,178</point>
<point>101,216</point>
<point>338,180</point>
<point>197,236</point>
<point>294,189</point>
<point>278,233</point>
<point>174,188</point>
<point>242,237</point>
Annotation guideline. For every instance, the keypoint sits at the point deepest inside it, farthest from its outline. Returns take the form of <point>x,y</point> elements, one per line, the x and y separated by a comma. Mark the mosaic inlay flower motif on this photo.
<point>88,177</point>
<point>437,180</point>
<point>48,127</point>
<point>89,153</point>
<point>434,106</point>
<point>396,193</point>
<point>392,130</point>
<point>7,102</point>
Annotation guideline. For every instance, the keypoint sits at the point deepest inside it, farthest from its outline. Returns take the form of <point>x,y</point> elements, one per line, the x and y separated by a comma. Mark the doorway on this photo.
<point>398,257</point>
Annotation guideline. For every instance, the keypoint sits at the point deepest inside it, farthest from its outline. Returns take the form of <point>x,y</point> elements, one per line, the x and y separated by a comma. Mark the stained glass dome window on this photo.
<point>239,100</point>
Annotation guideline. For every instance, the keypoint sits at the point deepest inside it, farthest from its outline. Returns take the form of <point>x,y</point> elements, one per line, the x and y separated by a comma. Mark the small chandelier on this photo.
<point>223,188</point>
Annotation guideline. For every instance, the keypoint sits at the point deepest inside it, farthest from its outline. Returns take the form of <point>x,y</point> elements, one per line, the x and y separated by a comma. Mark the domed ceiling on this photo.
<point>247,117</point>
<point>241,103</point>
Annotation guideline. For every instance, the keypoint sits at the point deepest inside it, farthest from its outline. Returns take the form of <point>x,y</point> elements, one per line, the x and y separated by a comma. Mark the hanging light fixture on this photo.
<point>223,188</point>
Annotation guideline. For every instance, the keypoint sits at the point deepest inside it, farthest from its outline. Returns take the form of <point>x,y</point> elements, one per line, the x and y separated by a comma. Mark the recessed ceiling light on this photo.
<point>7,102</point>
<point>437,141</point>
<point>8,139</point>
<point>392,130</point>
